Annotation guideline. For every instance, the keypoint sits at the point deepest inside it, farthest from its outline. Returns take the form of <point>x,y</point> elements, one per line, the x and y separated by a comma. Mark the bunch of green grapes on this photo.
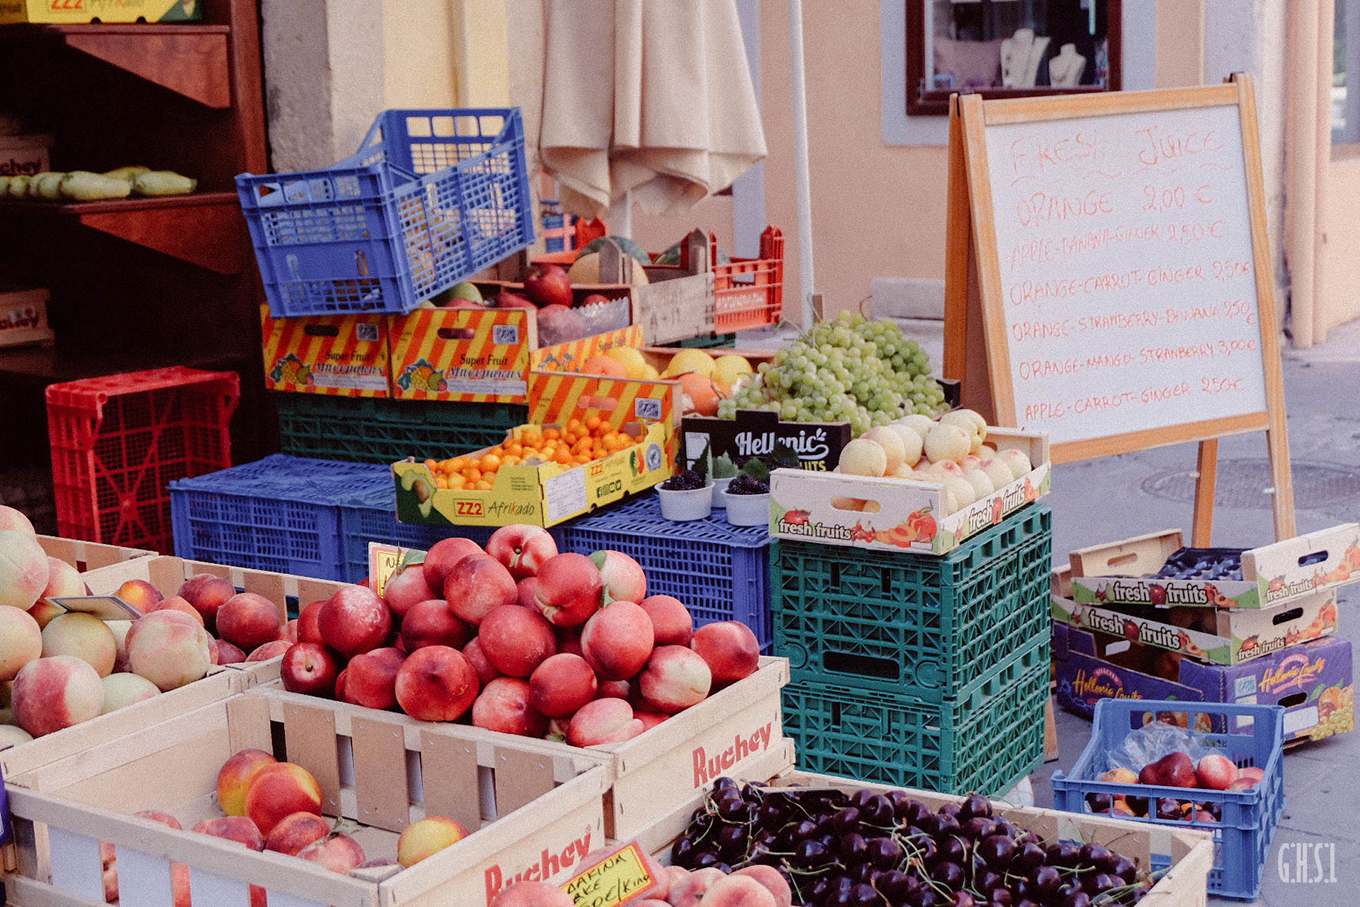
<point>845,369</point>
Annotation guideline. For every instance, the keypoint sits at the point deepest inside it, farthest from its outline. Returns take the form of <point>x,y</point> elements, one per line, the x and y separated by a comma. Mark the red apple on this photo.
<point>354,620</point>
<point>406,588</point>
<point>569,589</point>
<point>441,557</point>
<point>233,828</point>
<point>248,620</point>
<point>227,654</point>
<point>617,640</point>
<point>1172,770</point>
<point>622,576</point>
<point>1216,772</point>
<point>516,640</point>
<point>308,628</point>
<point>269,650</point>
<point>524,591</point>
<point>561,685</point>
<point>338,853</point>
<point>521,548</point>
<point>207,593</point>
<point>508,300</point>
<point>603,721</point>
<point>671,620</point>
<point>433,623</point>
<point>477,585</point>
<point>436,683</point>
<point>477,658</point>
<point>295,831</point>
<point>731,650</point>
<point>504,706</point>
<point>309,668</point>
<point>675,679</point>
<point>372,679</point>
<point>547,284</point>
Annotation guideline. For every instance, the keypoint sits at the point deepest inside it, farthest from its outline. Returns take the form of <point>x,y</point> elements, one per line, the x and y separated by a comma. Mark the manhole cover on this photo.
<point>1241,482</point>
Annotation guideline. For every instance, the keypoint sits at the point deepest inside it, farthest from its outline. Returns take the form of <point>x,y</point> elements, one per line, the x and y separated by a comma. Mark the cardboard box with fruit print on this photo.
<point>621,433</point>
<point>892,514</point>
<point>1210,636</point>
<point>1312,682</point>
<point>338,355</point>
<point>1157,569</point>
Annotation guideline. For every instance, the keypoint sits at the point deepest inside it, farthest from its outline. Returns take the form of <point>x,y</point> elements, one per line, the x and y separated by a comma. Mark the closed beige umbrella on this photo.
<point>649,97</point>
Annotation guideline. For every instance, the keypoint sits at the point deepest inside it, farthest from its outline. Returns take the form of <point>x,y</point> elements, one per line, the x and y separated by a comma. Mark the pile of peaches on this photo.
<point>517,638</point>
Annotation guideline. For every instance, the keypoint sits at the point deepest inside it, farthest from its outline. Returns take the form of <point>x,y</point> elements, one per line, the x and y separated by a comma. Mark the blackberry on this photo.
<point>745,484</point>
<point>688,480</point>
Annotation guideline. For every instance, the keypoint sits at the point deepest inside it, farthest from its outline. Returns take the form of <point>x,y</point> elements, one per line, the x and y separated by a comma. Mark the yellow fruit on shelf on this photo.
<point>631,360</point>
<point>689,360</point>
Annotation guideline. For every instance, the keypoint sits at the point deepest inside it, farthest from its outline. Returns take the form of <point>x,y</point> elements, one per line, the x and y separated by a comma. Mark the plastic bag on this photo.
<point>600,317</point>
<point>1151,742</point>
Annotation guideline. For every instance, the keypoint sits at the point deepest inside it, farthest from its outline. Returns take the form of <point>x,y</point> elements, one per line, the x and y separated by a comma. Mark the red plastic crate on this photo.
<point>749,292</point>
<point>120,440</point>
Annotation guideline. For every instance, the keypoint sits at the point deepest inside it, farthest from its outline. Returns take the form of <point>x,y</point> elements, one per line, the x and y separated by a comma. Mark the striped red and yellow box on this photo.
<point>338,355</point>
<point>569,357</point>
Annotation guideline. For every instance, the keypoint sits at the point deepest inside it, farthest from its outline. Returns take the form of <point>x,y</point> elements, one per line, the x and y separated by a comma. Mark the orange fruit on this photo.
<point>472,473</point>
<point>604,365</point>
<point>441,481</point>
<point>491,462</point>
<point>431,465</point>
<point>592,422</point>
<point>551,434</point>
<point>496,451</point>
<point>701,392</point>
<point>531,438</point>
<point>514,447</point>
<point>457,482</point>
<point>482,485</point>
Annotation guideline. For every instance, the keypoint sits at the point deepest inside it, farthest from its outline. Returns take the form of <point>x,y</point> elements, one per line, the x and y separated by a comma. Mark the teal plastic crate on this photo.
<point>379,430</point>
<point>709,342</point>
<point>984,742</point>
<point>934,628</point>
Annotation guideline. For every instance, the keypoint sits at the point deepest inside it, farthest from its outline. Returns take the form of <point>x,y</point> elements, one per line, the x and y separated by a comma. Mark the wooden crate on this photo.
<point>85,555</point>
<point>533,810</point>
<point>1184,885</point>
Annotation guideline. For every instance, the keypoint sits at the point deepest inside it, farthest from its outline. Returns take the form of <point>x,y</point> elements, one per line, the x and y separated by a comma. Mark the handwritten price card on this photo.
<point>620,878</point>
<point>1127,276</point>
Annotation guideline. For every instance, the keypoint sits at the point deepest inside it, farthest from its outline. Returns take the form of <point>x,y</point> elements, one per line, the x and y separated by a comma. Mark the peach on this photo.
<point>309,668</point>
<point>478,585</point>
<point>248,620</point>
<point>675,679</point>
<point>354,620</point>
<point>125,689</point>
<point>773,881</point>
<point>1215,772</point>
<point>406,588</point>
<point>569,589</point>
<point>730,649</point>
<point>270,650</point>
<point>603,721</point>
<point>207,594</point>
<point>44,611</point>
<point>108,860</point>
<point>522,549</point>
<point>622,576</point>
<point>372,678</point>
<point>692,889</point>
<point>427,837</point>
<point>338,853</point>
<point>290,630</point>
<point>177,603</point>
<point>234,828</point>
<point>179,873</point>
<point>676,873</point>
<point>650,719</point>
<point>672,624</point>
<point>24,569</point>
<point>557,729</point>
<point>169,649</point>
<point>561,685</point>
<point>738,891</point>
<point>1252,773</point>
<point>309,630</point>
<point>55,693</point>
<point>156,815</point>
<point>532,894</point>
<point>84,636</point>
<point>436,683</point>
<point>227,654</point>
<point>477,658</point>
<point>504,706</point>
<point>617,640</point>
<point>616,689</point>
<point>21,641</point>
<point>433,623</point>
<point>295,831</point>
<point>279,790</point>
<point>524,591</point>
<point>516,640</point>
<point>234,778</point>
<point>15,519</point>
<point>568,639</point>
<point>13,736</point>
<point>139,593</point>
<point>441,558</point>
<point>659,876</point>
<point>63,580</point>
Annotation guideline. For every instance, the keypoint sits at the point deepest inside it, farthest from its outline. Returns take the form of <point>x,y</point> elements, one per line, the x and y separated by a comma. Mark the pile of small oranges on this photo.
<point>581,441</point>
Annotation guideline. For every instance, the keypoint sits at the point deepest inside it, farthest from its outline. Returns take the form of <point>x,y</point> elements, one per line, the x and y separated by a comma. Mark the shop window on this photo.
<point>1346,74</point>
<point>1009,48</point>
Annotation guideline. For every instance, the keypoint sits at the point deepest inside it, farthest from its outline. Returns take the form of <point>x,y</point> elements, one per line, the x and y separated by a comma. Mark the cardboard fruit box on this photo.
<point>891,514</point>
<point>1124,573</point>
<point>23,316</point>
<point>1186,855</point>
<point>70,12</point>
<point>754,433</point>
<point>337,355</point>
<point>1210,636</point>
<point>531,811</point>
<point>1312,682</point>
<point>546,493</point>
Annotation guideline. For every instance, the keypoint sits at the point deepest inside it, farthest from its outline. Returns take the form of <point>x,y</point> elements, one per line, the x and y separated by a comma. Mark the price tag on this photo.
<point>104,607</point>
<point>385,560</point>
<point>6,829</point>
<point>620,878</point>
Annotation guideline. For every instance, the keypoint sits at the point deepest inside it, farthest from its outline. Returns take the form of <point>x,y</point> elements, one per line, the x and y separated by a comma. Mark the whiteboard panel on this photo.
<point>1126,271</point>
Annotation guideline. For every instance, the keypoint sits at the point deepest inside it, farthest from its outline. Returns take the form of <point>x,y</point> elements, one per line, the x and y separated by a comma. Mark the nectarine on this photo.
<point>279,790</point>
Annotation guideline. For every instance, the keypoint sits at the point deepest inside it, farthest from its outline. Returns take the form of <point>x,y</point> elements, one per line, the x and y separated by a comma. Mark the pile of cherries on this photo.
<point>868,849</point>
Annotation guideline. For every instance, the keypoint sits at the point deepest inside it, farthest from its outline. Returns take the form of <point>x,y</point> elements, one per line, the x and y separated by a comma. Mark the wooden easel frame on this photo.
<point>975,319</point>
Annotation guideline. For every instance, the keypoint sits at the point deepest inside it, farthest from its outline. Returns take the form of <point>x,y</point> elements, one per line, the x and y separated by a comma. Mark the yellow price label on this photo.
<point>620,878</point>
<point>383,561</point>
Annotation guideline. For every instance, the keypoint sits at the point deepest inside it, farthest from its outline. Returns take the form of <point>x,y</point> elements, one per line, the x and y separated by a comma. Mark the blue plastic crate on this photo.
<point>275,514</point>
<point>431,198</point>
<point>1242,836</point>
<point>718,570</point>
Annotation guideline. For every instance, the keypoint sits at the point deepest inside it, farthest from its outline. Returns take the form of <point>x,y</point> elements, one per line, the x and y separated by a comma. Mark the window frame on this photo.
<point>1349,134</point>
<point>934,102</point>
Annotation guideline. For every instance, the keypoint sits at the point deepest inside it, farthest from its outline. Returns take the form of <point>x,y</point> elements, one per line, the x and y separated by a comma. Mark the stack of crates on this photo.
<point>918,670</point>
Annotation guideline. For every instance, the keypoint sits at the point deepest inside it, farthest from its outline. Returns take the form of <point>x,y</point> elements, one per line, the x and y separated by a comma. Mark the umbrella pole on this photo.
<point>800,159</point>
<point>619,218</point>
